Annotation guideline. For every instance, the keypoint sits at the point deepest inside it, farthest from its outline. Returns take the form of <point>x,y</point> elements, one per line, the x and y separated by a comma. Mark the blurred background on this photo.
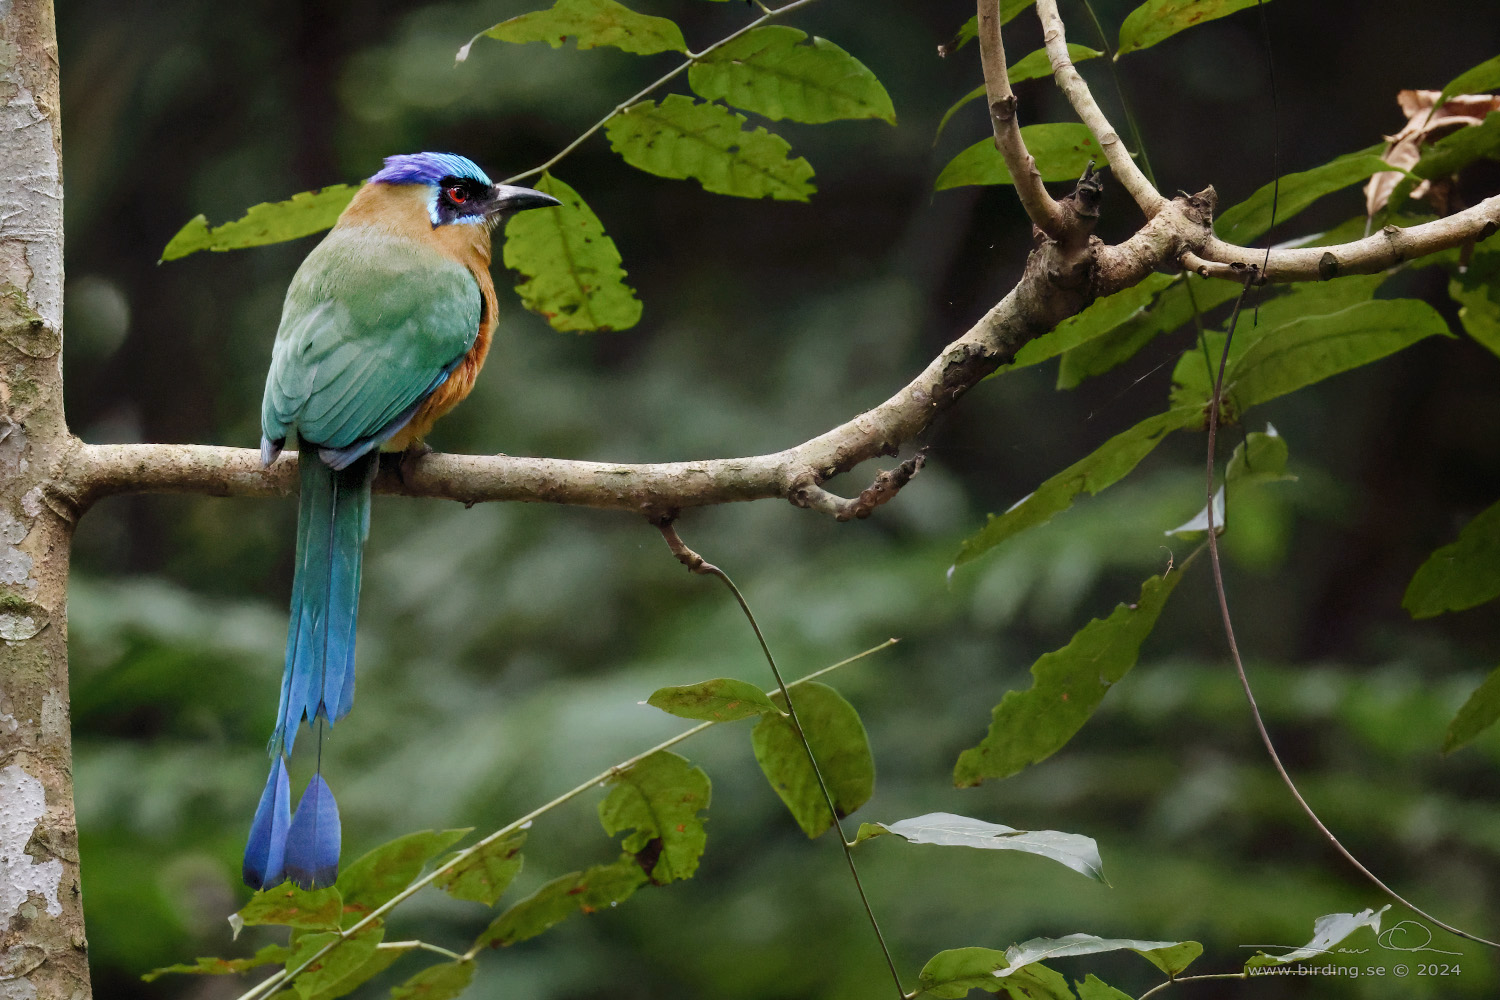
<point>504,649</point>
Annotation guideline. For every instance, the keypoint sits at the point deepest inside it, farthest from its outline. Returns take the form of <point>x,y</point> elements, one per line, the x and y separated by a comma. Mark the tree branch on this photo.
<point>1068,80</point>
<point>1045,213</point>
<point>1375,252</point>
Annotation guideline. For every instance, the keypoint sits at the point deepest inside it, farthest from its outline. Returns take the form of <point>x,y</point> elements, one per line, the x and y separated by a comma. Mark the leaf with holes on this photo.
<point>270,222</point>
<point>1462,574</point>
<point>776,71</point>
<point>948,830</point>
<point>601,887</point>
<point>681,138</point>
<point>1157,20</point>
<point>1329,931</point>
<point>1067,685</point>
<point>575,281</point>
<point>389,868</point>
<point>1104,467</point>
<point>839,744</point>
<point>659,798</point>
<point>722,699</point>
<point>348,965</point>
<point>484,874</point>
<point>591,23</point>
<point>271,954</point>
<point>289,906</point>
<point>1061,152</point>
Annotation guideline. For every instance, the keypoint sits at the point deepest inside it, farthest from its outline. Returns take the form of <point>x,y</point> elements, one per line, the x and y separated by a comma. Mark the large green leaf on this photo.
<point>389,868</point>
<point>1329,931</point>
<point>659,798</point>
<point>484,874</point>
<point>722,699</point>
<point>1477,291</point>
<point>591,23</point>
<point>1030,67</point>
<point>1172,308</point>
<point>1462,574</point>
<point>948,830</point>
<point>772,72</point>
<point>289,906</point>
<point>1061,152</point>
<point>342,965</point>
<point>1170,957</point>
<point>1246,222</point>
<point>1067,686</point>
<point>444,981</point>
<point>681,138</point>
<point>598,888</point>
<point>1308,350</point>
<point>574,278</point>
<point>1094,988</point>
<point>953,973</point>
<point>1102,316</point>
<point>1157,20</point>
<point>270,222</point>
<point>271,954</point>
<point>839,743</point>
<point>1476,715</point>
<point>1105,466</point>
<point>1476,80</point>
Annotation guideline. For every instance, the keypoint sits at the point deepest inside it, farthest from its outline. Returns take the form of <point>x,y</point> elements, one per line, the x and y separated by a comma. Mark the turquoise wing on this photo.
<point>371,325</point>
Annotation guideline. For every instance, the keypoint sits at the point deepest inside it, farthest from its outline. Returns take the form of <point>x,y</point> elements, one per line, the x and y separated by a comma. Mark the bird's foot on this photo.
<point>406,466</point>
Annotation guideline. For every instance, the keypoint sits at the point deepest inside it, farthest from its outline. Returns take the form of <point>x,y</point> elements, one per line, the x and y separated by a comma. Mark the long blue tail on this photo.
<point>318,683</point>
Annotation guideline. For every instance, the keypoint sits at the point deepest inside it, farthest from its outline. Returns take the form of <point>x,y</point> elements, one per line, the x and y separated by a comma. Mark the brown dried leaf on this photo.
<point>1424,126</point>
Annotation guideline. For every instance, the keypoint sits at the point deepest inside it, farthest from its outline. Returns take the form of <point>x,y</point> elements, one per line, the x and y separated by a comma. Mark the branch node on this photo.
<point>692,560</point>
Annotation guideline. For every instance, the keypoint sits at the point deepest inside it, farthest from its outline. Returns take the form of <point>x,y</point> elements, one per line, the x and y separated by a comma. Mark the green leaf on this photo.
<point>1170,957</point>
<point>385,956</point>
<point>1477,291</point>
<point>289,906</point>
<point>271,954</point>
<point>1067,686</point>
<point>324,977</point>
<point>1462,574</point>
<point>601,887</point>
<point>1103,468</point>
<point>948,830</point>
<point>1158,20</point>
<point>771,72</point>
<point>270,222</point>
<point>591,23</point>
<point>389,868</point>
<point>953,973</point>
<point>1476,715</point>
<point>1478,80</point>
<point>1030,67</point>
<point>1094,988</point>
<point>1310,349</point>
<point>1246,222</point>
<point>484,875</point>
<point>970,29</point>
<point>1329,930</point>
<point>660,798</point>
<point>839,743</point>
<point>723,699</point>
<point>681,138</point>
<point>1172,309</point>
<point>1061,152</point>
<point>444,981</point>
<point>1102,316</point>
<point>1450,154</point>
<point>574,276</point>
<point>1260,458</point>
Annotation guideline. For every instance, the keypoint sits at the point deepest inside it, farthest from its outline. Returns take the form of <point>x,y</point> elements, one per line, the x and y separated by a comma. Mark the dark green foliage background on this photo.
<point>504,649</point>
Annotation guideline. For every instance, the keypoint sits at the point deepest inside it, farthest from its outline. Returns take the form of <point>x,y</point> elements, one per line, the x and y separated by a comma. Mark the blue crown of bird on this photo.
<point>385,327</point>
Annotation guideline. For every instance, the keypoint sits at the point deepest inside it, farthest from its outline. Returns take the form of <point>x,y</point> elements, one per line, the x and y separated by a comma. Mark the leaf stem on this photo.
<point>1193,979</point>
<point>697,564</point>
<point>274,984</point>
<point>692,57</point>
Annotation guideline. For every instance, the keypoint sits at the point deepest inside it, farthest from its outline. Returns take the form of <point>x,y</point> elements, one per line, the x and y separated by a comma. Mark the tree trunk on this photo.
<point>43,952</point>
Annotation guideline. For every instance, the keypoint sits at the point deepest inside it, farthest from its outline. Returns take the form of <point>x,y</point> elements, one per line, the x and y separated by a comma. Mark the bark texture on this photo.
<point>43,951</point>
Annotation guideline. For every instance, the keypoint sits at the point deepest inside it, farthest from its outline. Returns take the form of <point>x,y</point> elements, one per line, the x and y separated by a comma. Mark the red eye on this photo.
<point>456,195</point>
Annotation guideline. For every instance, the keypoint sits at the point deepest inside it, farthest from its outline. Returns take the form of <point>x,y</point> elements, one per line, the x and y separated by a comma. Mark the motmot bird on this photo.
<point>385,326</point>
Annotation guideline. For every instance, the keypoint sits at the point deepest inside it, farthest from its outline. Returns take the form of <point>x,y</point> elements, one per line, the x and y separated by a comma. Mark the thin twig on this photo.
<point>1044,212</point>
<point>1114,75</point>
<point>274,984</point>
<point>692,57</point>
<point>697,564</point>
<point>1193,979</point>
<point>1234,650</point>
